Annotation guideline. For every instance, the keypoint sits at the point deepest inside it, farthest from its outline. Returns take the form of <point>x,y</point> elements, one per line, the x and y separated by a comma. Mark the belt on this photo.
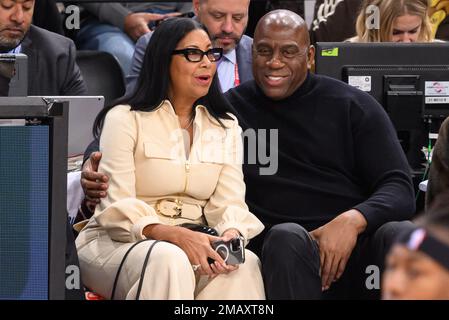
<point>176,208</point>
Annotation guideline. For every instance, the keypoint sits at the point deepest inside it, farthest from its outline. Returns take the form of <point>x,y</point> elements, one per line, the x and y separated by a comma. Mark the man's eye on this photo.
<point>289,53</point>
<point>263,52</point>
<point>7,4</point>
<point>412,274</point>
<point>28,5</point>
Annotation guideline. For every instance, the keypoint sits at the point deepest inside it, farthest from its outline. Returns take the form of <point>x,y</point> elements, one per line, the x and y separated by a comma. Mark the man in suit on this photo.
<point>226,22</point>
<point>52,69</point>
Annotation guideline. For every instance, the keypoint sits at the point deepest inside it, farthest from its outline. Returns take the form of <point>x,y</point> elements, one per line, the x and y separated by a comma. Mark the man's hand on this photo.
<point>136,24</point>
<point>336,241</point>
<point>94,184</point>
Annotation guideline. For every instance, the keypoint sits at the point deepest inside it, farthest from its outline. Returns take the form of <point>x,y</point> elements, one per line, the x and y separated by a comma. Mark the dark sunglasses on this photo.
<point>196,55</point>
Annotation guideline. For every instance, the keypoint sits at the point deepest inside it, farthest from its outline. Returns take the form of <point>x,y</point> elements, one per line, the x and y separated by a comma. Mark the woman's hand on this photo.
<point>196,245</point>
<point>228,235</point>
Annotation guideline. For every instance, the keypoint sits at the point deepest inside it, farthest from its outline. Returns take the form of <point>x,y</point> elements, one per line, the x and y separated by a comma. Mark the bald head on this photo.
<point>279,19</point>
<point>281,53</point>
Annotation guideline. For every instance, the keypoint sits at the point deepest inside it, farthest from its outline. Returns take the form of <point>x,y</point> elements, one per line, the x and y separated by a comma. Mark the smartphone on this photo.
<point>189,14</point>
<point>152,25</point>
<point>232,251</point>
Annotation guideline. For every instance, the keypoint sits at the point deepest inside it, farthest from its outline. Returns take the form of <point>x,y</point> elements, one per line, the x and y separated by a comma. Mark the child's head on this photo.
<point>417,266</point>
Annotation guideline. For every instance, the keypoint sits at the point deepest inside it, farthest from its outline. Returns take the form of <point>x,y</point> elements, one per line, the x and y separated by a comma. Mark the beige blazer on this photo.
<point>154,178</point>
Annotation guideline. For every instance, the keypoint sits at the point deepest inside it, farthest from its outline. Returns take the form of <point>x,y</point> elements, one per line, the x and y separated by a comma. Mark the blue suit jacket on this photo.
<point>243,51</point>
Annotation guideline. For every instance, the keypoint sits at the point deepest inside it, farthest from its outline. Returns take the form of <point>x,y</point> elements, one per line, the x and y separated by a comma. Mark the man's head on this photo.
<point>15,20</point>
<point>281,53</point>
<point>225,20</point>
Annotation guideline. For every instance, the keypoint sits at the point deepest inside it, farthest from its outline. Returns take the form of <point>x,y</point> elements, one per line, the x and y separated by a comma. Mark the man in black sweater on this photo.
<point>342,175</point>
<point>341,172</point>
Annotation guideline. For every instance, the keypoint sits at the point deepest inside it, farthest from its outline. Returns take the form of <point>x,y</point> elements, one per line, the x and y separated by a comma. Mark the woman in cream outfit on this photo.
<point>173,155</point>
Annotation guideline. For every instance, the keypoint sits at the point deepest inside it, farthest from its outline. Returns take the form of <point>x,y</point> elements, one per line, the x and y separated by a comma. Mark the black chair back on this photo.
<point>102,74</point>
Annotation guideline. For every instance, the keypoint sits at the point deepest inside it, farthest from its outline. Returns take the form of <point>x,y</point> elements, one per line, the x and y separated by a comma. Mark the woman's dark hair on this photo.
<point>154,78</point>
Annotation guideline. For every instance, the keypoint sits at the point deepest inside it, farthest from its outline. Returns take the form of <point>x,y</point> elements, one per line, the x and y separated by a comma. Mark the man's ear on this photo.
<point>311,58</point>
<point>196,6</point>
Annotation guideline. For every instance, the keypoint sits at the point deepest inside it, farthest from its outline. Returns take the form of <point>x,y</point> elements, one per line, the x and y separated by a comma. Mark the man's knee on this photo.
<point>290,263</point>
<point>388,232</point>
<point>384,238</point>
<point>288,238</point>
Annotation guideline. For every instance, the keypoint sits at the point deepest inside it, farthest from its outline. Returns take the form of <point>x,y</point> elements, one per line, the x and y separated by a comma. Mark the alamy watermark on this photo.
<point>72,277</point>
<point>373,279</point>
<point>72,20</point>
<point>226,147</point>
<point>372,17</point>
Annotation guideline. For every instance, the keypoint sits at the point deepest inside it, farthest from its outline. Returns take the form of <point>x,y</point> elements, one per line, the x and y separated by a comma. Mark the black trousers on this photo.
<point>291,263</point>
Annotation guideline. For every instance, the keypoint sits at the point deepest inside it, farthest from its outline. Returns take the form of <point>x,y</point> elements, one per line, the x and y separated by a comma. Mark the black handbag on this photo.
<point>200,228</point>
<point>192,226</point>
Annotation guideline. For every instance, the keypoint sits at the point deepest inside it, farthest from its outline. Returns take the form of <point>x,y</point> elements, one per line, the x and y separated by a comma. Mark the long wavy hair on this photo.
<point>154,78</point>
<point>388,11</point>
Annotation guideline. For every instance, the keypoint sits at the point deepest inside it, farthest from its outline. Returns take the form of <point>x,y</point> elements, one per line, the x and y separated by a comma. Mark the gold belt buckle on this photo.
<point>171,208</point>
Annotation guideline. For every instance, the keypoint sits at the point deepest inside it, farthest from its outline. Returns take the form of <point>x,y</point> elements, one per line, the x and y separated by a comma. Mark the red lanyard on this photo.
<point>236,75</point>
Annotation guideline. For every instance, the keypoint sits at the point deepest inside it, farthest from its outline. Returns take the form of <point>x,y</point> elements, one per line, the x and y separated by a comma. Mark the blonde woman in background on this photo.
<point>399,21</point>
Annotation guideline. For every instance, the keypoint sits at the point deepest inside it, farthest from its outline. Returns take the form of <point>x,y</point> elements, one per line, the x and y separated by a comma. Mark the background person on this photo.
<point>399,21</point>
<point>115,27</point>
<point>52,69</point>
<point>417,266</point>
<point>226,21</point>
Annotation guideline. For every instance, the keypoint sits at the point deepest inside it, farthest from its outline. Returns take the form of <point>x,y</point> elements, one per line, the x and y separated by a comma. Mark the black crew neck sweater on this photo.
<point>337,150</point>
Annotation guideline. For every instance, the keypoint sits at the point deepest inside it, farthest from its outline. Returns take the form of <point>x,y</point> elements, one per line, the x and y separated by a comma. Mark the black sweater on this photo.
<point>337,150</point>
